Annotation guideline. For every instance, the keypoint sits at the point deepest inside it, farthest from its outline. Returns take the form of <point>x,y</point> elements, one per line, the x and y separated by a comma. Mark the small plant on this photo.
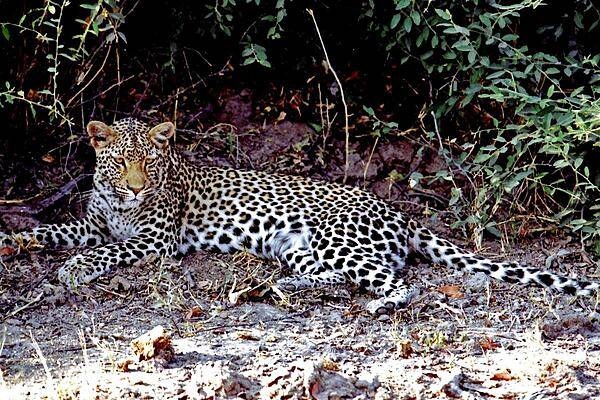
<point>254,53</point>
<point>58,52</point>
<point>268,23</point>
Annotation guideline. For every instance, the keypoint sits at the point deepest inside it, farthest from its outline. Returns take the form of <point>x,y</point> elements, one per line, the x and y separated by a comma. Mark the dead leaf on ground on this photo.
<point>503,376</point>
<point>249,334</point>
<point>7,251</point>
<point>49,158</point>
<point>193,312</point>
<point>330,365</point>
<point>124,365</point>
<point>155,343</point>
<point>452,291</point>
<point>488,344</point>
<point>406,349</point>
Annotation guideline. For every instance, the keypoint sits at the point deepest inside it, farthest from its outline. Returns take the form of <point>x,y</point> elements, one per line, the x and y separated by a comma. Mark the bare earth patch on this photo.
<point>231,337</point>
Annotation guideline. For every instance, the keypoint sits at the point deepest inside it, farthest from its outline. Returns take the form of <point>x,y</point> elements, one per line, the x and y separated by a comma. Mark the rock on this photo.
<point>217,380</point>
<point>154,344</point>
<point>309,379</point>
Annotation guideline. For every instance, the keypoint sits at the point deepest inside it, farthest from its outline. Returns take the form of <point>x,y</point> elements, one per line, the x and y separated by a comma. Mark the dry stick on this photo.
<point>175,115</point>
<point>51,385</point>
<point>108,89</point>
<point>100,69</point>
<point>25,306</point>
<point>369,161</point>
<point>339,83</point>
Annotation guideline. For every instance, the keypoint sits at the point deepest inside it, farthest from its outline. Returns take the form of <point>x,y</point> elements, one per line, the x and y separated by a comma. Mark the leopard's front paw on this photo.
<point>399,299</point>
<point>288,284</point>
<point>78,271</point>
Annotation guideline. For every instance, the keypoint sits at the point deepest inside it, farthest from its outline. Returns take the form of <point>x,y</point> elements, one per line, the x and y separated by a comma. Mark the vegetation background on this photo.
<point>505,92</point>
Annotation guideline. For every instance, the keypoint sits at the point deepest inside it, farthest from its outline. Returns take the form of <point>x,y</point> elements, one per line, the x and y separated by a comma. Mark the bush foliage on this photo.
<point>508,93</point>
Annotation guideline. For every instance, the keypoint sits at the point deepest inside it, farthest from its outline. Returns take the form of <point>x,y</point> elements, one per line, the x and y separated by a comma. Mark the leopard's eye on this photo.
<point>150,160</point>
<point>120,160</point>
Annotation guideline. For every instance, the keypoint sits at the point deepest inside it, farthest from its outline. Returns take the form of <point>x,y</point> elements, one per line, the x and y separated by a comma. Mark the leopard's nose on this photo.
<point>135,190</point>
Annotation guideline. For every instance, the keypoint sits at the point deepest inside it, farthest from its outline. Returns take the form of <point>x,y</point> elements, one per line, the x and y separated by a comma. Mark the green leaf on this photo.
<point>122,36</point>
<point>5,32</point>
<point>456,194</point>
<point>407,24</point>
<point>485,19</point>
<point>471,56</point>
<point>463,45</point>
<point>67,56</point>
<point>443,14</point>
<point>416,17</point>
<point>510,37</point>
<point>561,163</point>
<point>491,228</point>
<point>117,16</point>
<point>426,55</point>
<point>400,4</point>
<point>481,158</point>
<point>280,15</point>
<point>395,21</point>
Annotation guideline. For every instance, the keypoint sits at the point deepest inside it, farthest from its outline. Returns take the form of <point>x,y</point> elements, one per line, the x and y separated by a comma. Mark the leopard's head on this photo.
<point>132,159</point>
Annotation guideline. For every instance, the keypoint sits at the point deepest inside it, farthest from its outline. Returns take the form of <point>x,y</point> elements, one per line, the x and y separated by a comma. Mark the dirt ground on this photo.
<point>463,337</point>
<point>227,334</point>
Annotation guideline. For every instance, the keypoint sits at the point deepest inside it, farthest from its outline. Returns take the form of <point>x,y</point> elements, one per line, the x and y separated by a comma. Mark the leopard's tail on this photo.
<point>445,253</point>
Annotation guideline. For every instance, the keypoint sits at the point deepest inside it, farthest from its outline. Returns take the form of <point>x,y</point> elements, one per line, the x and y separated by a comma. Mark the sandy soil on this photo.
<point>233,338</point>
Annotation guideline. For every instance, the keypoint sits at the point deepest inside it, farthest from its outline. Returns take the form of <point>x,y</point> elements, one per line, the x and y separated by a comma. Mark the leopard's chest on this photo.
<point>121,226</point>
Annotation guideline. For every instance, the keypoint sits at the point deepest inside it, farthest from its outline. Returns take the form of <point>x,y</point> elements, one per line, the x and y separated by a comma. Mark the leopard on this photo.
<point>149,200</point>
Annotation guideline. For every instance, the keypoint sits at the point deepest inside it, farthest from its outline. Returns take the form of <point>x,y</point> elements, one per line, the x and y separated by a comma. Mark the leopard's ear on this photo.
<point>161,133</point>
<point>101,135</point>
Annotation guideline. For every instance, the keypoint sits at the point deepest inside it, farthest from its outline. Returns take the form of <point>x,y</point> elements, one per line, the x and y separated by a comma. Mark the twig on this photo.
<point>25,306</point>
<point>102,93</point>
<point>51,385</point>
<point>252,323</point>
<point>175,115</point>
<point>192,86</point>
<point>17,206</point>
<point>89,82</point>
<point>339,83</point>
<point>366,170</point>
